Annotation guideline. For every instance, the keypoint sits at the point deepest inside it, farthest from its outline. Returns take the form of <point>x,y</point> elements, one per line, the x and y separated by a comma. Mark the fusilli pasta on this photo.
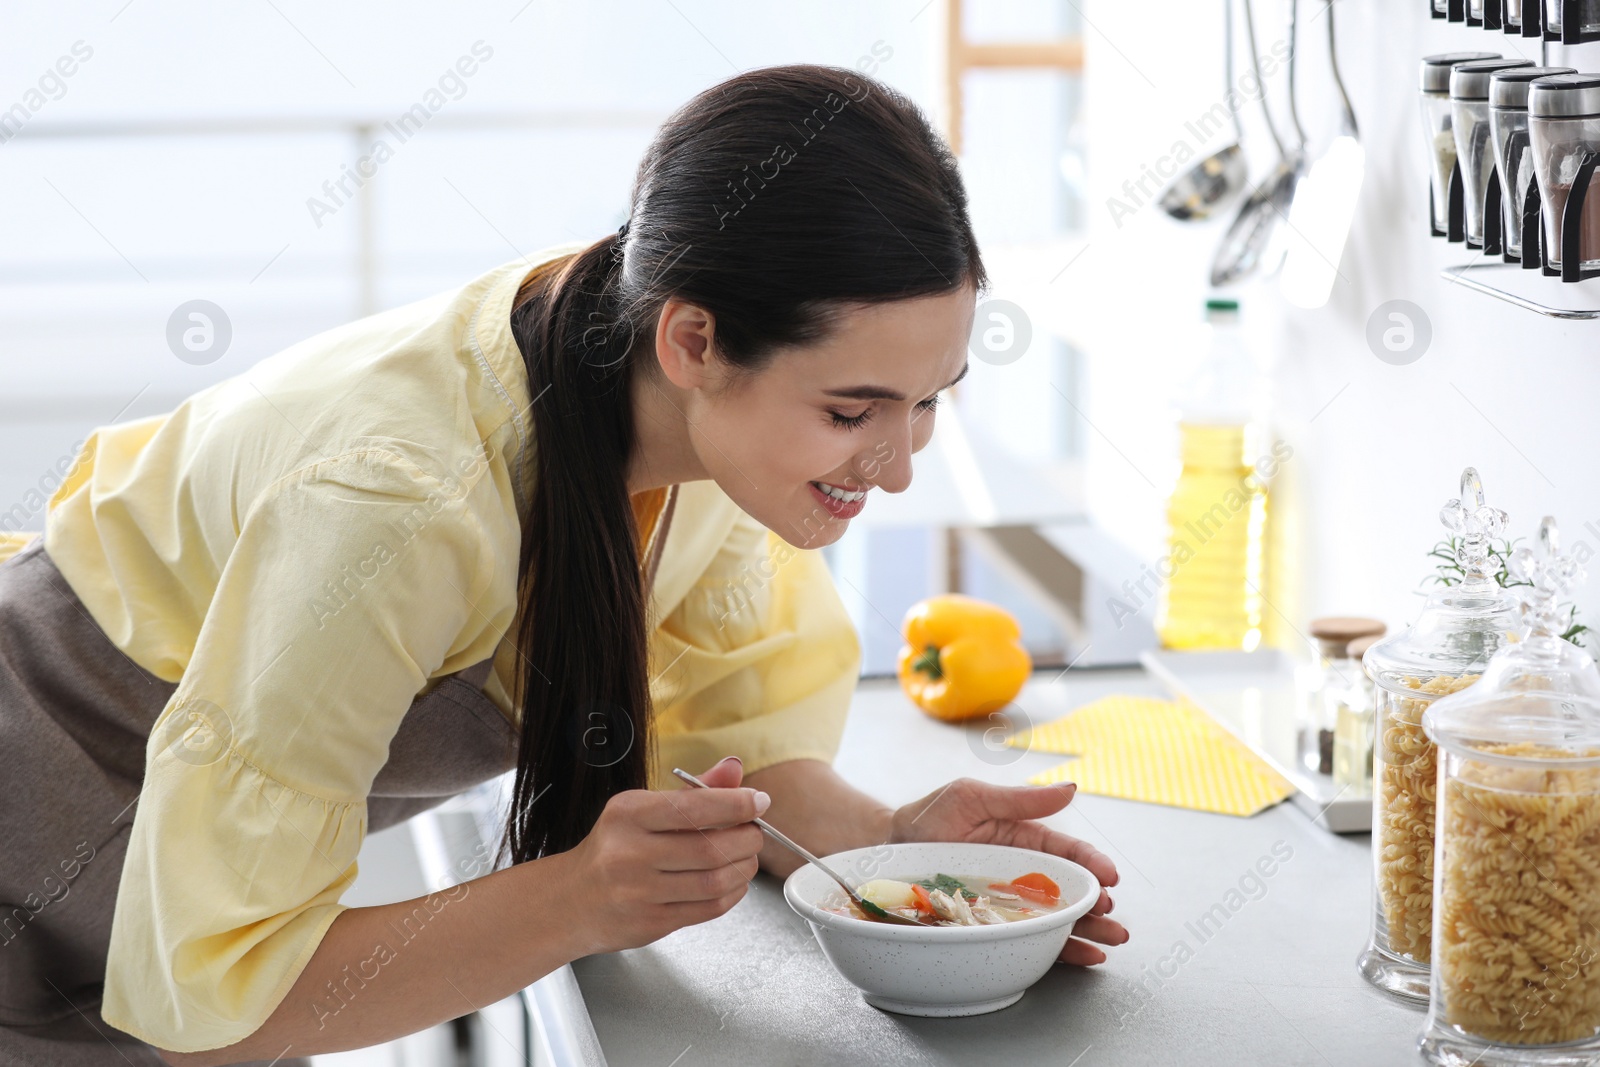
<point>1406,788</point>
<point>1519,900</point>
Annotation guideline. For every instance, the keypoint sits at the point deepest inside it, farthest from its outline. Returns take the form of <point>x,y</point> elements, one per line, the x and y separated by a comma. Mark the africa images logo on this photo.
<point>197,732</point>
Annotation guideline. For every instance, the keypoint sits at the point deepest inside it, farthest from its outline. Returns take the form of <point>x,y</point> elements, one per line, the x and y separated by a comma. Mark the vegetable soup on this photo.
<point>949,900</point>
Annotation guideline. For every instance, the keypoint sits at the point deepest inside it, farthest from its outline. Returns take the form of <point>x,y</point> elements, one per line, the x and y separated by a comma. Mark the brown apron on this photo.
<point>75,714</point>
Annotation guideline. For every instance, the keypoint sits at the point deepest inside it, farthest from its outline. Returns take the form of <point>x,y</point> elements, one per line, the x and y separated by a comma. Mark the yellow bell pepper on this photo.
<point>963,657</point>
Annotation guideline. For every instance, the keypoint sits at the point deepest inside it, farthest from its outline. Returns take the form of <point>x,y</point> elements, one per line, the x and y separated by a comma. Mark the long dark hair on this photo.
<point>774,201</point>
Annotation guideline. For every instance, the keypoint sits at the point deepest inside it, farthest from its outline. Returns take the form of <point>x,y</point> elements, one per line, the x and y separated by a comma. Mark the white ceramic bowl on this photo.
<point>942,970</point>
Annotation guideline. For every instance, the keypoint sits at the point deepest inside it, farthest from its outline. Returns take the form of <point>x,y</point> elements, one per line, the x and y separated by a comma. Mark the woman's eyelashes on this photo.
<point>855,422</point>
<point>850,422</point>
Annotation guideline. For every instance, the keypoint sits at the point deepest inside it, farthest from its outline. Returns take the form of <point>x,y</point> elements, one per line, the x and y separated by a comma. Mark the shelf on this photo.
<point>1520,287</point>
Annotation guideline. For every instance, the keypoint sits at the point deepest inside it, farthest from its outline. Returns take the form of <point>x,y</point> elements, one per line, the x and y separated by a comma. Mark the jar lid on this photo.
<point>1358,648</point>
<point>1564,96</point>
<point>1345,628</point>
<point>1436,68</point>
<point>1459,626</point>
<point>1540,694</point>
<point>1470,81</point>
<point>1509,88</point>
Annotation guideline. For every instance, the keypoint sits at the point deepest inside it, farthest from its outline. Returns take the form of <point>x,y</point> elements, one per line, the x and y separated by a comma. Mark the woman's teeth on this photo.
<point>844,495</point>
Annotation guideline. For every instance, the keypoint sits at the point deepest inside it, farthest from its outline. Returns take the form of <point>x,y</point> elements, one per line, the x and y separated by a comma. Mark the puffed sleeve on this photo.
<point>351,583</point>
<point>759,660</point>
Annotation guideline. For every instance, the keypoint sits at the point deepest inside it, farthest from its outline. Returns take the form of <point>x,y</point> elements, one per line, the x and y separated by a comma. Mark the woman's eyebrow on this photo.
<point>879,392</point>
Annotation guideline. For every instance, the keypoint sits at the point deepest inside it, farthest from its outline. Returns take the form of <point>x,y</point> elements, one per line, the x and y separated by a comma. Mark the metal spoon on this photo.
<point>783,839</point>
<point>1247,238</point>
<point>1195,195</point>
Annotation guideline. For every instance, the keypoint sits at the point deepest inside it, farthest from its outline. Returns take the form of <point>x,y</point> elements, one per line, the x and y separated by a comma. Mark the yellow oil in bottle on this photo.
<point>1211,596</point>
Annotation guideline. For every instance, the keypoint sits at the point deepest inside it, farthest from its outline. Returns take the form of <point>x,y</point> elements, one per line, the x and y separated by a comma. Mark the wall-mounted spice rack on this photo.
<point>1557,239</point>
<point>1556,21</point>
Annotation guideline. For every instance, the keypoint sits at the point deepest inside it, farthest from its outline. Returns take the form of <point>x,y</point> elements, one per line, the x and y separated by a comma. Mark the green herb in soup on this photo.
<point>948,900</point>
<point>952,886</point>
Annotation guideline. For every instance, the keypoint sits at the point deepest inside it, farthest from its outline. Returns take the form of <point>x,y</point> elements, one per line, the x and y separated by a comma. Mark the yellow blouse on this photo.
<point>306,547</point>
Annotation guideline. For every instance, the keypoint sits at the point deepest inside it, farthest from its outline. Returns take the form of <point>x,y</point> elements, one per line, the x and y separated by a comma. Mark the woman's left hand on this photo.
<point>970,810</point>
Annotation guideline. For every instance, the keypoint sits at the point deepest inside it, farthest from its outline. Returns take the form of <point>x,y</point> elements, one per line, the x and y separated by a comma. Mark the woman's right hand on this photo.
<point>657,861</point>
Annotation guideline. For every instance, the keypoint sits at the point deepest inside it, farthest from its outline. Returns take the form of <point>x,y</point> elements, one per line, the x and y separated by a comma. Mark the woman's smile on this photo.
<point>842,503</point>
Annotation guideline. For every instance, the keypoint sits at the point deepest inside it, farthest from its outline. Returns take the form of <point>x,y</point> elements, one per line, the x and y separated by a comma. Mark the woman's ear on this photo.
<point>684,345</point>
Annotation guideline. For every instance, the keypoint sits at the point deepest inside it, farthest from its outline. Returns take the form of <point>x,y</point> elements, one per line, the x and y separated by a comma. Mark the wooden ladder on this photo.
<point>962,55</point>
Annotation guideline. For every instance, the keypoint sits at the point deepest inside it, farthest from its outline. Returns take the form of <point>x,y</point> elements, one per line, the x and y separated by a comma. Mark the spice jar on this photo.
<point>1469,115</point>
<point>1513,13</point>
<point>1587,17</point>
<point>1516,943</point>
<point>1352,727</point>
<point>1323,683</point>
<point>1436,127</point>
<point>1563,128</point>
<point>1445,650</point>
<point>1508,129</point>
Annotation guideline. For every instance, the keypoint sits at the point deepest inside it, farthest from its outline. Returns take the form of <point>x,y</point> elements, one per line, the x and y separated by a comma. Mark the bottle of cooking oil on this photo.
<point>1213,574</point>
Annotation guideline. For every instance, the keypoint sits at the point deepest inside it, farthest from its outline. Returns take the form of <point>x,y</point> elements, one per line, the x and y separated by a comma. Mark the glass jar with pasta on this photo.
<point>1516,933</point>
<point>1444,651</point>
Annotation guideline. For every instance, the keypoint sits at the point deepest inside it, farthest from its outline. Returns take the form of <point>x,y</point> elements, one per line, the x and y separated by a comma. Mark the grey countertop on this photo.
<point>1270,978</point>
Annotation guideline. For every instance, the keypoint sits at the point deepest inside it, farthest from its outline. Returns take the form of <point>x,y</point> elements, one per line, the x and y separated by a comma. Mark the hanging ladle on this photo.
<point>1199,192</point>
<point>1245,243</point>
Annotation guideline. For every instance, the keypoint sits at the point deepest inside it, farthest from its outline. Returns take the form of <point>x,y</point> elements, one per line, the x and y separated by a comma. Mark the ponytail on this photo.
<point>583,689</point>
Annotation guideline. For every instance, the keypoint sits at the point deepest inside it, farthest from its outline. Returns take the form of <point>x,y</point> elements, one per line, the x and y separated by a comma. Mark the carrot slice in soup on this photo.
<point>1036,886</point>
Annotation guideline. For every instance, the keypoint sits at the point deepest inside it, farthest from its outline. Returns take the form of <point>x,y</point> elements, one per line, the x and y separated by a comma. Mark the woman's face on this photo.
<point>802,443</point>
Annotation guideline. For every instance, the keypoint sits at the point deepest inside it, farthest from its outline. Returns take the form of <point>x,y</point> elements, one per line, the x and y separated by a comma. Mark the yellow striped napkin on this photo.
<point>1157,751</point>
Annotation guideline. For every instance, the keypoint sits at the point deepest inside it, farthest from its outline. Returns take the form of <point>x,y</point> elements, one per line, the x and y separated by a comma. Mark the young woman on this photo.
<point>537,522</point>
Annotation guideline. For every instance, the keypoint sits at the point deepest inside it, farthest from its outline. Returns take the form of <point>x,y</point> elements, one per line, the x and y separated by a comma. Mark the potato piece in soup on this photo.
<point>888,893</point>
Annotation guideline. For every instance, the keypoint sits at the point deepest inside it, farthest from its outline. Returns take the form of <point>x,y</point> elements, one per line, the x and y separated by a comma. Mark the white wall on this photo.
<point>1508,391</point>
<point>102,237</point>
